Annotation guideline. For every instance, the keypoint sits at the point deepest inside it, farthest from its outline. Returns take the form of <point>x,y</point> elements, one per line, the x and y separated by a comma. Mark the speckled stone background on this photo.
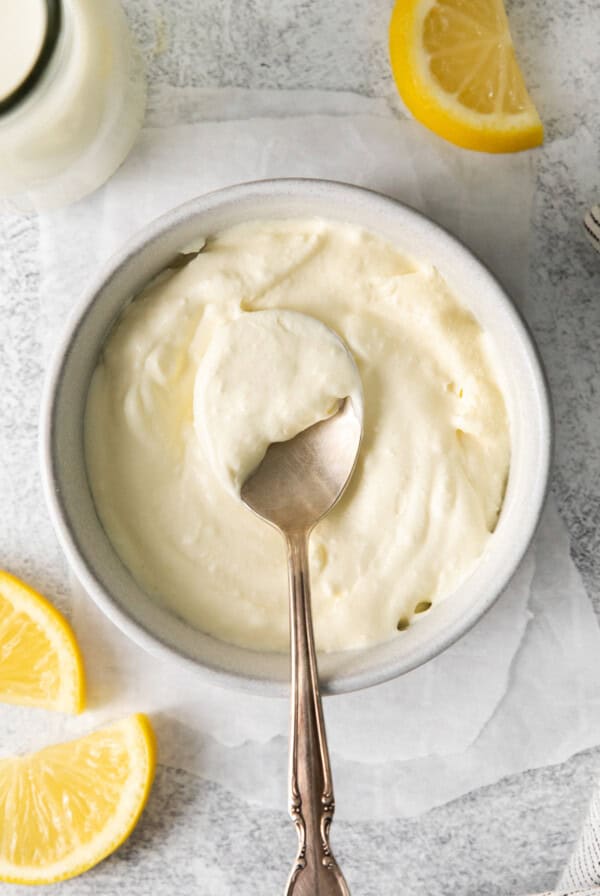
<point>509,838</point>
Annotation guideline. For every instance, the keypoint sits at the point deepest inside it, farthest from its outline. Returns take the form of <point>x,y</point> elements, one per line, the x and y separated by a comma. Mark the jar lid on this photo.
<point>28,33</point>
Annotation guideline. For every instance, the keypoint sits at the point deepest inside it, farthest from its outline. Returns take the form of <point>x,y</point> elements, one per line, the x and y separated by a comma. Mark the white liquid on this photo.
<point>79,122</point>
<point>22,32</point>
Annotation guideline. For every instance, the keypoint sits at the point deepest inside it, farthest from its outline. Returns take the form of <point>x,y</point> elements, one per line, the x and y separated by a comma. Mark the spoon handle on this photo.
<point>311,790</point>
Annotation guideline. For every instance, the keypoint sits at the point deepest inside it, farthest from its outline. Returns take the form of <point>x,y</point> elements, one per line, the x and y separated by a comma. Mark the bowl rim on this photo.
<point>67,538</point>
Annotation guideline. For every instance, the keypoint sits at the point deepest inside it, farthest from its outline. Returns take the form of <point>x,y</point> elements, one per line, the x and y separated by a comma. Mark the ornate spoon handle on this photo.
<point>315,872</point>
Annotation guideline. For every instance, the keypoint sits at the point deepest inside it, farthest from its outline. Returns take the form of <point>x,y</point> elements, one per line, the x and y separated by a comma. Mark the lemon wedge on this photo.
<point>455,67</point>
<point>40,662</point>
<point>66,808</point>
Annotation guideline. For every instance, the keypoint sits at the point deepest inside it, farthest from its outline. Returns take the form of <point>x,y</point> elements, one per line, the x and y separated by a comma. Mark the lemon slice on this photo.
<point>66,808</point>
<point>40,662</point>
<point>456,70</point>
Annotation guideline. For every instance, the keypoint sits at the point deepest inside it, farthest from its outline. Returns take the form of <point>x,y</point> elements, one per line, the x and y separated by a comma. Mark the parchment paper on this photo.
<point>523,688</point>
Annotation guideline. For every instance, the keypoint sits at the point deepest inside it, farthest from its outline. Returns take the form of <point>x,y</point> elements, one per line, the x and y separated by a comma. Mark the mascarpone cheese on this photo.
<point>430,478</point>
<point>266,376</point>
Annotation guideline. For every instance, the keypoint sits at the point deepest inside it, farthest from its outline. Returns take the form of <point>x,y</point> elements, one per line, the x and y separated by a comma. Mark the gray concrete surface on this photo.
<point>509,838</point>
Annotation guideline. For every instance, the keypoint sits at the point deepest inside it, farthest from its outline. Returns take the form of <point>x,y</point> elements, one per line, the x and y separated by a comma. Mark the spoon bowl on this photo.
<point>300,480</point>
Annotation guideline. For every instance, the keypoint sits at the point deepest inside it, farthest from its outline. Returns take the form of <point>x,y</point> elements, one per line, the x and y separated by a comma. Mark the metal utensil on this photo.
<point>591,223</point>
<point>296,484</point>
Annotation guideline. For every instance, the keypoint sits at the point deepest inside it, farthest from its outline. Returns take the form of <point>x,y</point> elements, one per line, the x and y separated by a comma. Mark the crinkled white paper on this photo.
<point>523,688</point>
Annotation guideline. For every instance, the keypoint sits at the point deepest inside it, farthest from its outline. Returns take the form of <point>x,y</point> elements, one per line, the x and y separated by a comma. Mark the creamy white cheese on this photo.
<point>266,376</point>
<point>430,479</point>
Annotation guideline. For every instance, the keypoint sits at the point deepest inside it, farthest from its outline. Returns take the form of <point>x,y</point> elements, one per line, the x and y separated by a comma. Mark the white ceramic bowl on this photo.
<point>82,537</point>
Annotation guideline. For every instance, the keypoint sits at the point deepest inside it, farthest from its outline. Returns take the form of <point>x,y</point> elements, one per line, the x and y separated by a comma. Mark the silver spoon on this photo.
<point>296,484</point>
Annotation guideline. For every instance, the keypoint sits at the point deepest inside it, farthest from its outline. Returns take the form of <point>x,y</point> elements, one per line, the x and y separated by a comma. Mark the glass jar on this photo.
<point>76,108</point>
